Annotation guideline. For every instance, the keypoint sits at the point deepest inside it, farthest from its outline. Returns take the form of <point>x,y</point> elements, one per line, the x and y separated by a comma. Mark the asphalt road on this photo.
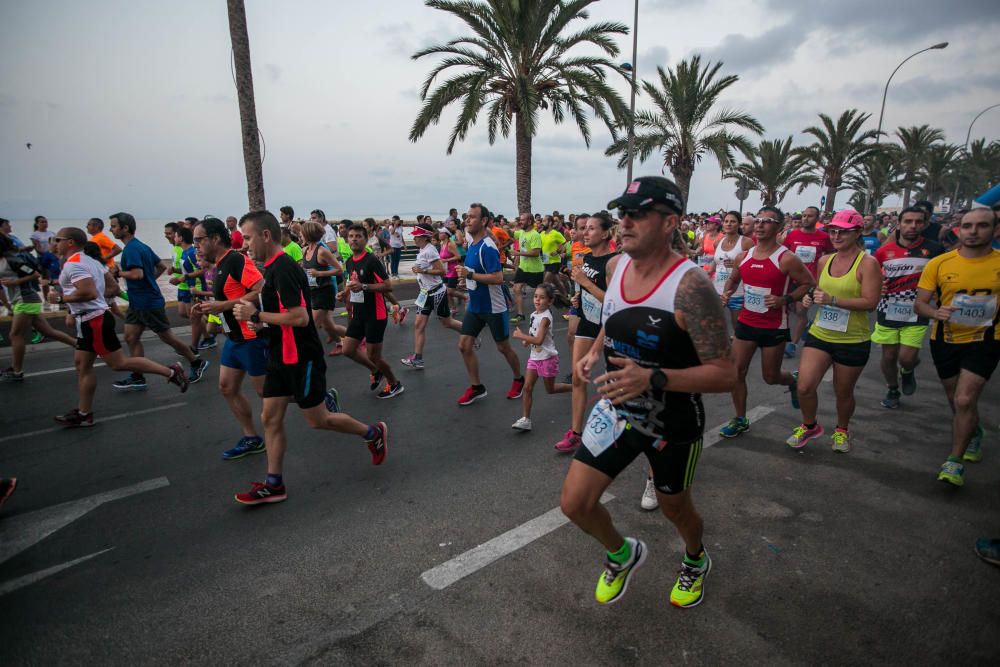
<point>818,557</point>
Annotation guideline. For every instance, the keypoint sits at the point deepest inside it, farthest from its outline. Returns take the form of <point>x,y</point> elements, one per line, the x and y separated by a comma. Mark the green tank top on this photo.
<point>839,325</point>
<point>178,270</point>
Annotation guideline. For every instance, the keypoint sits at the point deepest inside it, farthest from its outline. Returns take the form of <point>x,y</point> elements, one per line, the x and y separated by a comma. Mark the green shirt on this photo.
<point>294,250</point>
<point>178,271</point>
<point>343,249</point>
<point>530,241</point>
<point>552,243</point>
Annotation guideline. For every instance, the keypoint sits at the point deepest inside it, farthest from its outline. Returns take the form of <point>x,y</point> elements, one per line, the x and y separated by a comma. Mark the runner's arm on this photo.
<point>922,306</point>
<point>111,286</point>
<point>538,338</point>
<point>115,251</point>
<point>699,312</point>
<point>798,272</point>
<point>734,278</point>
<point>85,290</point>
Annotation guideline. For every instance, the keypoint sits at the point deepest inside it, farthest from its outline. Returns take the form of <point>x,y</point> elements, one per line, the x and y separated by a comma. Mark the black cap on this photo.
<point>645,191</point>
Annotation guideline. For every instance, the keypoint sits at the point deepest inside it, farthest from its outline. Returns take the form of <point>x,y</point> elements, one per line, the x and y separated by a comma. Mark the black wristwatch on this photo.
<point>255,318</point>
<point>658,380</point>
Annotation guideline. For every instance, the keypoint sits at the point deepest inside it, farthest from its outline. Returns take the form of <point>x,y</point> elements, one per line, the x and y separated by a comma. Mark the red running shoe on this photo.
<point>403,312</point>
<point>261,493</point>
<point>516,389</point>
<point>7,486</point>
<point>379,445</point>
<point>336,351</point>
<point>472,395</point>
<point>178,377</point>
<point>73,419</point>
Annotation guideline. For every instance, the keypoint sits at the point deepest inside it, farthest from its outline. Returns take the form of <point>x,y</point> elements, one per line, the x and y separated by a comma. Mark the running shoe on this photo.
<point>337,350</point>
<point>952,472</point>
<point>261,493</point>
<point>690,587</point>
<point>379,445</point>
<point>735,426</point>
<point>908,382</point>
<point>198,369</point>
<point>208,343</point>
<point>522,424</point>
<point>789,350</point>
<point>332,400</point>
<point>177,377</point>
<point>10,376</point>
<point>613,582</point>
<point>390,390</point>
<point>649,500</point>
<point>803,434</point>
<point>132,383</point>
<point>413,362</point>
<point>7,486</point>
<point>891,399</point>
<point>36,338</point>
<point>986,548</point>
<point>515,318</point>
<point>375,380</point>
<point>568,378</point>
<point>343,313</point>
<point>403,312</point>
<point>516,389</point>
<point>472,395</point>
<point>840,441</point>
<point>569,443</point>
<point>974,450</point>
<point>793,390</point>
<point>74,419</point>
<point>248,444</point>
<point>395,313</point>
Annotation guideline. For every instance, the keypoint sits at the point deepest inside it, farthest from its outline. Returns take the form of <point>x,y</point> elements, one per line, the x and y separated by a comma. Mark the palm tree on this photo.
<point>516,63</point>
<point>774,168</point>
<point>683,127</point>
<point>939,172</point>
<point>915,141</point>
<point>839,148</point>
<point>880,171</point>
<point>978,168</point>
<point>248,109</point>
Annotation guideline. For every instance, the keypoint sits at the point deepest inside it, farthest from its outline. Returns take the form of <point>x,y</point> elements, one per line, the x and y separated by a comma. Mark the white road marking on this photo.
<point>124,415</point>
<point>28,579</point>
<point>461,566</point>
<point>22,531</point>
<point>753,414</point>
<point>59,370</point>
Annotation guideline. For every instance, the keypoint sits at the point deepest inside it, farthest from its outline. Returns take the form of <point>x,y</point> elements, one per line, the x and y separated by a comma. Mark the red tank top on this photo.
<point>760,278</point>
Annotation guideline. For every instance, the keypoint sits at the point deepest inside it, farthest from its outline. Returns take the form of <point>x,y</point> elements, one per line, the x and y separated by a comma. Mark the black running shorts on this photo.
<point>845,354</point>
<point>980,357</point>
<point>528,278</point>
<point>763,337</point>
<point>371,330</point>
<point>305,382</point>
<point>673,464</point>
<point>98,335</point>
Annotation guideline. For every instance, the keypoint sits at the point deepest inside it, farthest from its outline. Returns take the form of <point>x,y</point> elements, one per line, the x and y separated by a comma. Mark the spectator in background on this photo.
<point>235,237</point>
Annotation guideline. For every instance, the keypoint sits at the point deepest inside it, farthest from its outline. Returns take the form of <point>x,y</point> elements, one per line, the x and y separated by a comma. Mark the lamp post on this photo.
<point>632,67</point>
<point>881,115</point>
<point>965,151</point>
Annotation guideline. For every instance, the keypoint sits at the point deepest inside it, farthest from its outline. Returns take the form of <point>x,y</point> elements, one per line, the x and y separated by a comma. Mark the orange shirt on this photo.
<point>502,238</point>
<point>106,245</point>
<point>577,251</point>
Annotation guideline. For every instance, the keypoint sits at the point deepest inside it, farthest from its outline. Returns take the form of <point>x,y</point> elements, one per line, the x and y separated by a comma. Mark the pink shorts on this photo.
<point>546,368</point>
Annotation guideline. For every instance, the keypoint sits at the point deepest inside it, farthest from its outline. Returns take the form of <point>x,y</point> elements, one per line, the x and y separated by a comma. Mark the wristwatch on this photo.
<point>658,380</point>
<point>255,318</point>
<point>364,287</point>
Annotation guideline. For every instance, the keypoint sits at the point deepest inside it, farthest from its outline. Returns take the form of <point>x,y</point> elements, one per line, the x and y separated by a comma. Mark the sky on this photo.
<point>131,105</point>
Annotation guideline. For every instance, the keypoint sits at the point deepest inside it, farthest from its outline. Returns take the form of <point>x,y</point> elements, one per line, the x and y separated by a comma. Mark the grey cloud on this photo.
<point>380,172</point>
<point>218,98</point>
<point>744,54</point>
<point>273,71</point>
<point>7,101</point>
<point>53,106</point>
<point>649,60</point>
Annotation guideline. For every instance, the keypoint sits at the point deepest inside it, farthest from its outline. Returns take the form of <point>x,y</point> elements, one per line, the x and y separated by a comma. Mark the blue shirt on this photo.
<point>871,243</point>
<point>143,294</point>
<point>189,264</point>
<point>483,257</point>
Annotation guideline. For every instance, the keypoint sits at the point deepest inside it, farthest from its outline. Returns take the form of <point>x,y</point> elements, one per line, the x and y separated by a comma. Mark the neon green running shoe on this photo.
<point>689,590</point>
<point>974,450</point>
<point>952,472</point>
<point>841,441</point>
<point>613,582</point>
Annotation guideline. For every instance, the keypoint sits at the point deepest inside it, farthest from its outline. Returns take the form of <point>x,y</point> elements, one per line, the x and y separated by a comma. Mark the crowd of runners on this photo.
<point>661,306</point>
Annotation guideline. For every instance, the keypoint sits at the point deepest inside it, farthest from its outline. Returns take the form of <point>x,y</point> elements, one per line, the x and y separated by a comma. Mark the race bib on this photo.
<point>722,276</point>
<point>604,426</point>
<point>591,307</point>
<point>79,327</point>
<point>225,323</point>
<point>833,318</point>
<point>753,298</point>
<point>470,284</point>
<point>899,310</point>
<point>974,311</point>
<point>357,297</point>
<point>704,260</point>
<point>545,258</point>
<point>311,279</point>
<point>807,253</point>
<point>421,299</point>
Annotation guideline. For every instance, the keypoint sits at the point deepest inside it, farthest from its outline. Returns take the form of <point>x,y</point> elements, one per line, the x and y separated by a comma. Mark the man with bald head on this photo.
<point>958,291</point>
<point>235,236</point>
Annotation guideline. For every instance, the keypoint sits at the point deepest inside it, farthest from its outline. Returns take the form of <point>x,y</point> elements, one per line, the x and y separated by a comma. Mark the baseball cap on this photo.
<point>422,230</point>
<point>846,219</point>
<point>645,191</point>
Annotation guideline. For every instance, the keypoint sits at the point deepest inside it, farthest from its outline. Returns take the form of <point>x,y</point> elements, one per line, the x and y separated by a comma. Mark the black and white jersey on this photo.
<point>646,331</point>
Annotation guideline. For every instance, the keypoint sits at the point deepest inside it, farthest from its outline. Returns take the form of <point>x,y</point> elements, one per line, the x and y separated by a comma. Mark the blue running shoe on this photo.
<point>332,400</point>
<point>246,446</point>
<point>198,369</point>
<point>735,426</point>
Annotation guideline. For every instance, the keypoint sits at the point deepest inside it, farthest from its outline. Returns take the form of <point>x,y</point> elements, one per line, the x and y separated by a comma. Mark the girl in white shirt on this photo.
<point>544,358</point>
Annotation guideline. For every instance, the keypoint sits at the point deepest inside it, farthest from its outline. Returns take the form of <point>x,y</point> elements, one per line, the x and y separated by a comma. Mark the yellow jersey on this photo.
<point>973,287</point>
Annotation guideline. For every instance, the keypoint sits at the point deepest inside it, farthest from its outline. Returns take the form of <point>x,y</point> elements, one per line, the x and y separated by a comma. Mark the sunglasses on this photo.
<point>57,239</point>
<point>840,230</point>
<point>771,220</point>
<point>640,213</point>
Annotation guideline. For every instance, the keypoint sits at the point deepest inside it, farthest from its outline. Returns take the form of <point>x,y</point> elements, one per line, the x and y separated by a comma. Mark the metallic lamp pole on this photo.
<point>631,123</point>
<point>965,151</point>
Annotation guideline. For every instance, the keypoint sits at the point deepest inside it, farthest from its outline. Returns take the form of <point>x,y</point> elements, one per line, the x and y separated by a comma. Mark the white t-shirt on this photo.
<point>42,238</point>
<point>425,260</point>
<point>548,347</point>
<point>396,237</point>
<point>330,236</point>
<point>78,267</point>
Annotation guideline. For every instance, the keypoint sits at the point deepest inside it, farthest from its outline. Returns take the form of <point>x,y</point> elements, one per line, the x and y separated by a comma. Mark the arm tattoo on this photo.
<point>703,316</point>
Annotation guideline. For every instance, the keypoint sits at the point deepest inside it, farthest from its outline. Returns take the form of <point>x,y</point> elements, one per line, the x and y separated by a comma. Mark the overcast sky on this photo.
<point>130,105</point>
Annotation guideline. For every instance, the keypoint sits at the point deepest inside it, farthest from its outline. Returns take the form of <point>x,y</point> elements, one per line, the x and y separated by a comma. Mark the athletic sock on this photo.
<point>372,433</point>
<point>695,561</point>
<point>479,387</point>
<point>520,378</point>
<point>578,434</point>
<point>843,428</point>
<point>893,387</point>
<point>955,459</point>
<point>810,426</point>
<point>903,371</point>
<point>418,356</point>
<point>622,555</point>
<point>273,481</point>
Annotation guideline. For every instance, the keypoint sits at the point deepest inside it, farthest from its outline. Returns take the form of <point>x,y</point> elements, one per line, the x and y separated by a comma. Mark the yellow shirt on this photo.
<point>971,284</point>
<point>552,242</point>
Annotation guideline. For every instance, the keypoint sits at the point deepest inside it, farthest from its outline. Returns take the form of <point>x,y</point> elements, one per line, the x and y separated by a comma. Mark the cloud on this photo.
<point>649,60</point>
<point>777,45</point>
<point>272,71</point>
<point>218,98</point>
<point>380,172</point>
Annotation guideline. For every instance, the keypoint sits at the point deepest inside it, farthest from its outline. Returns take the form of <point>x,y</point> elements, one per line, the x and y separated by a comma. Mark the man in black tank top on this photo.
<point>663,337</point>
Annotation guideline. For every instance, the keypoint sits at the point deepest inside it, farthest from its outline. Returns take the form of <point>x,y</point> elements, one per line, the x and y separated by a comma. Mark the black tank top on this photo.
<point>313,263</point>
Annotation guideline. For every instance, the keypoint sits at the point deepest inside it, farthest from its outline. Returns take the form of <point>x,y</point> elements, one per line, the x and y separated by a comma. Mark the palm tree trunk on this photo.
<point>248,109</point>
<point>682,177</point>
<point>906,196</point>
<point>522,165</point>
<point>831,197</point>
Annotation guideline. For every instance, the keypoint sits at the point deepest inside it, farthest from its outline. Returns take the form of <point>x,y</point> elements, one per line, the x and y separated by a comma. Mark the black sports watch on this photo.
<point>658,380</point>
<point>255,318</point>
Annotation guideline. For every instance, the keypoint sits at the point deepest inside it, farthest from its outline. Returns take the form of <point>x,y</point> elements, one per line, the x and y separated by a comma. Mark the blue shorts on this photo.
<point>184,296</point>
<point>735,303</point>
<point>249,356</point>
<point>499,324</point>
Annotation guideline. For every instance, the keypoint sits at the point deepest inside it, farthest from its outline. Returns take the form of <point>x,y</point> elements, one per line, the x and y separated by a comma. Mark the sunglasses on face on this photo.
<point>839,230</point>
<point>57,239</point>
<point>639,213</point>
<point>771,220</point>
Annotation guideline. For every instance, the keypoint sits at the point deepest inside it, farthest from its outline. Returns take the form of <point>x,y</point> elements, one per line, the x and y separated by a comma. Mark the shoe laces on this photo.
<point>839,437</point>
<point>611,571</point>
<point>687,575</point>
<point>800,431</point>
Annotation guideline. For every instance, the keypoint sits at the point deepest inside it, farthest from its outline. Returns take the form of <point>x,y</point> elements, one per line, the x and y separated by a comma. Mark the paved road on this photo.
<point>123,544</point>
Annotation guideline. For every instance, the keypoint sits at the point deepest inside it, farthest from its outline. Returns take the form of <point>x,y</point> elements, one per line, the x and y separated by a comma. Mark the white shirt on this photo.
<point>548,347</point>
<point>396,237</point>
<point>425,260</point>
<point>78,267</point>
<point>330,237</point>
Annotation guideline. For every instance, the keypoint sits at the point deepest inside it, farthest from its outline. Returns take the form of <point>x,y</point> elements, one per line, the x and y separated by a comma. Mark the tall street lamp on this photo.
<point>631,68</point>
<point>881,115</point>
<point>965,151</point>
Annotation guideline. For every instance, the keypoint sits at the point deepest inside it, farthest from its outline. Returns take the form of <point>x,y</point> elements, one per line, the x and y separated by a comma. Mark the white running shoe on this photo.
<point>649,499</point>
<point>522,424</point>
